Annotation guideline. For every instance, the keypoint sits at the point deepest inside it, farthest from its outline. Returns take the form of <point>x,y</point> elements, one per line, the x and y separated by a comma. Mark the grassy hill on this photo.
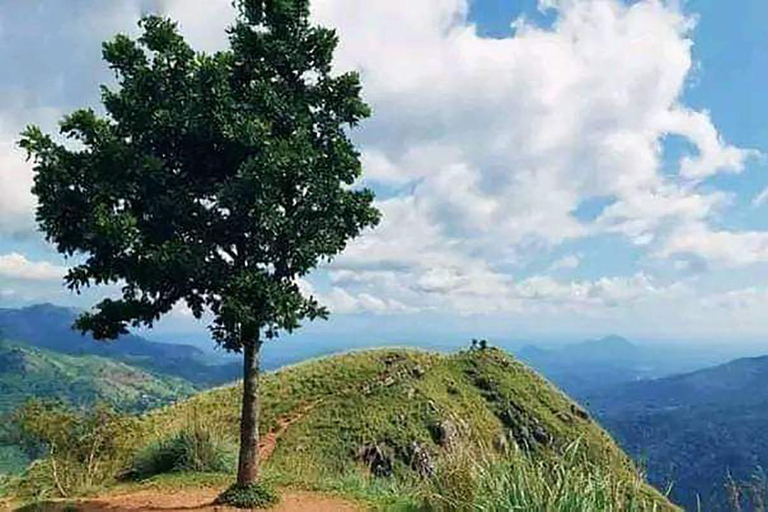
<point>413,431</point>
<point>695,429</point>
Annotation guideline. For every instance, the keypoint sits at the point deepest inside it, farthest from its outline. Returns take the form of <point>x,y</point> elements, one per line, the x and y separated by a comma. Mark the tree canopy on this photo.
<point>215,179</point>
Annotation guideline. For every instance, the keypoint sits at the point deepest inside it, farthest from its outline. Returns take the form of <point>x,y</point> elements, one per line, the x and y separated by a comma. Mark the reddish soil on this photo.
<point>200,500</point>
<point>268,442</point>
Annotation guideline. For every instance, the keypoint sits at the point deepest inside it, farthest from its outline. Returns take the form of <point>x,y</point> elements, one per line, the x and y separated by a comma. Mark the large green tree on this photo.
<point>214,179</point>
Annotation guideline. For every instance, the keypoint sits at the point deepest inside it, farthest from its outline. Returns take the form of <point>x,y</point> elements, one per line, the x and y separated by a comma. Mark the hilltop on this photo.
<point>409,429</point>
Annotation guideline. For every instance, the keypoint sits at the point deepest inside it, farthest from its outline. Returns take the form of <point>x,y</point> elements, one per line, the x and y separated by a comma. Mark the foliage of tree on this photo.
<point>216,179</point>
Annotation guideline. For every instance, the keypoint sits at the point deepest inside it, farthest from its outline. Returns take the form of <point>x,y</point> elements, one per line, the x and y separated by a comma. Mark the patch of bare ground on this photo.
<point>200,500</point>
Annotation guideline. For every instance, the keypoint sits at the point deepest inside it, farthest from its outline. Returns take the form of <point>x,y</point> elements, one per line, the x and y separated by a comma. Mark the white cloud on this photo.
<point>714,154</point>
<point>16,199</point>
<point>568,262</point>
<point>16,266</point>
<point>727,248</point>
<point>202,21</point>
<point>512,135</point>
<point>339,300</point>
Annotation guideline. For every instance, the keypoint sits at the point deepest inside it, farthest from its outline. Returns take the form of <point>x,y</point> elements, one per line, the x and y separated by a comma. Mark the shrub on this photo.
<point>78,449</point>
<point>194,449</point>
<point>256,495</point>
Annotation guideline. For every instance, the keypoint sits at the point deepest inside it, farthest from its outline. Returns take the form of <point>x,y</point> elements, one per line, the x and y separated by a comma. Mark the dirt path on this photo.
<point>268,441</point>
<point>200,500</point>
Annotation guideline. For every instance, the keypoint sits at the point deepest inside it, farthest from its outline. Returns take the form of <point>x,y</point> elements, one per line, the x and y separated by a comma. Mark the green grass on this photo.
<point>568,483</point>
<point>256,495</point>
<point>394,399</point>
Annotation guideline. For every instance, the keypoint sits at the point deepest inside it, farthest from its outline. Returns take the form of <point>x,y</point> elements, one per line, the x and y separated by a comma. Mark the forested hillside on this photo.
<point>697,431</point>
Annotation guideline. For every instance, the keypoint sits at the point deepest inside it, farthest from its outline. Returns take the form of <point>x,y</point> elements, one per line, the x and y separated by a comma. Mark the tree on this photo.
<point>216,179</point>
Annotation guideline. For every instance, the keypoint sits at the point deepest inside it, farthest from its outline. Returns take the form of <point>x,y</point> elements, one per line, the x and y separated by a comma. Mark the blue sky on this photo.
<point>547,169</point>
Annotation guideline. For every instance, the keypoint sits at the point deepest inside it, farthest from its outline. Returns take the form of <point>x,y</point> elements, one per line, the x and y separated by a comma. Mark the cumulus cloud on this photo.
<point>16,200</point>
<point>16,266</point>
<point>496,142</point>
<point>491,145</point>
<point>569,262</point>
<point>727,248</point>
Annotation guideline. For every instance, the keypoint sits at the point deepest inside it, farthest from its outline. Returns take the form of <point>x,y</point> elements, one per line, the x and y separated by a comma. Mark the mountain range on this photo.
<point>585,367</point>
<point>50,327</point>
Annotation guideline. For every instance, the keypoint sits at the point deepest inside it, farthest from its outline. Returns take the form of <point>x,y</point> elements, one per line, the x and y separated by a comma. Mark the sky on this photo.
<point>546,169</point>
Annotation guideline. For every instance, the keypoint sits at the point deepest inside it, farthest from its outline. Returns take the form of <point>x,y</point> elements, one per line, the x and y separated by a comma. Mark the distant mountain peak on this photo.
<point>50,307</point>
<point>611,342</point>
<point>614,339</point>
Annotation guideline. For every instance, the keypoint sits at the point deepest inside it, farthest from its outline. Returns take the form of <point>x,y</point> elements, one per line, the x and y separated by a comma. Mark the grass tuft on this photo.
<point>194,449</point>
<point>467,481</point>
<point>256,495</point>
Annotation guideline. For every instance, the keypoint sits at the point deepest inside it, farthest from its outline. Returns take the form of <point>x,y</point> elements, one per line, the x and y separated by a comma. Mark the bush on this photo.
<point>78,449</point>
<point>194,449</point>
<point>256,495</point>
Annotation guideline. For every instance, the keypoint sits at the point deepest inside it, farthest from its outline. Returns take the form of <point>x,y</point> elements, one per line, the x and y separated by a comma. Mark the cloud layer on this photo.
<point>486,152</point>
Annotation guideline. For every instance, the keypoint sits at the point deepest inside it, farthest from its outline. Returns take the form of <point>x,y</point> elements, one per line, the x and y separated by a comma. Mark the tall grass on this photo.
<point>194,449</point>
<point>468,481</point>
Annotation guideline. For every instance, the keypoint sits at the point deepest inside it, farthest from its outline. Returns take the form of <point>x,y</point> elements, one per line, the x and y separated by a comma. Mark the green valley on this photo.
<point>80,381</point>
<point>27,372</point>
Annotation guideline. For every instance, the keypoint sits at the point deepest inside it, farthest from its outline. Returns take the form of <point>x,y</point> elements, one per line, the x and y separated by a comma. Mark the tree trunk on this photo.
<point>248,465</point>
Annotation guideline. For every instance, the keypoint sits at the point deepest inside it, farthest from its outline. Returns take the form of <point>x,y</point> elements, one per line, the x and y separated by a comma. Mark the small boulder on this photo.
<point>421,461</point>
<point>446,434</point>
<point>522,436</point>
<point>579,412</point>
<point>541,436</point>
<point>393,358</point>
<point>418,371</point>
<point>378,461</point>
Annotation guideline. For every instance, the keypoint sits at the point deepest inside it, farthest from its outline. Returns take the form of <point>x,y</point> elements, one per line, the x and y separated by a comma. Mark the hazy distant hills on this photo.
<point>588,366</point>
<point>692,430</point>
<point>688,421</point>
<point>50,327</point>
